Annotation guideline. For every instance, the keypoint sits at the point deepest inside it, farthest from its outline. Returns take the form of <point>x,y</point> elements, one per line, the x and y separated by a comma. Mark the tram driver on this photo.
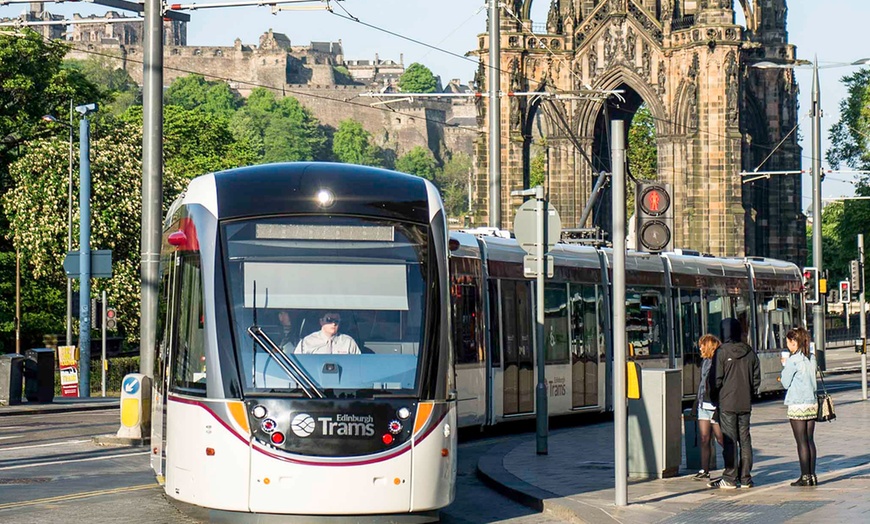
<point>328,340</point>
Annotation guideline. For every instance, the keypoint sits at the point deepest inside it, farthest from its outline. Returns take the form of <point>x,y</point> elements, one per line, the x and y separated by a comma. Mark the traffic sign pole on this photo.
<point>537,233</point>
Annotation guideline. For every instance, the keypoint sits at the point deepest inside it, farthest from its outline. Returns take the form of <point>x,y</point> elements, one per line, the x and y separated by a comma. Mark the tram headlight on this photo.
<point>259,411</point>
<point>325,198</point>
<point>403,413</point>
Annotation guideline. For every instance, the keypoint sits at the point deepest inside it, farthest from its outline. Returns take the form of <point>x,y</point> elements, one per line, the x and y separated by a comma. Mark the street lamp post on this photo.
<point>85,249</point>
<point>69,206</point>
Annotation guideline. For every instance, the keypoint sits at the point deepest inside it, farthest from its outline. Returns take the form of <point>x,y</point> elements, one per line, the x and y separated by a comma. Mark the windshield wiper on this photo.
<point>290,367</point>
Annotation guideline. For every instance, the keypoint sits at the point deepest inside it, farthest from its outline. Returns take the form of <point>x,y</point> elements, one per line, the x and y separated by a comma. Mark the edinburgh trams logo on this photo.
<point>341,425</point>
<point>302,425</point>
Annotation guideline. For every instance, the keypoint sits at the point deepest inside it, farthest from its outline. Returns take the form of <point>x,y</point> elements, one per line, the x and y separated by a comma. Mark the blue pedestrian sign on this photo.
<point>130,385</point>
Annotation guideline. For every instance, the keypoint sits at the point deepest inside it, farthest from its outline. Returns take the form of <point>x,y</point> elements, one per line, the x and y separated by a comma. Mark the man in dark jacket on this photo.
<point>738,377</point>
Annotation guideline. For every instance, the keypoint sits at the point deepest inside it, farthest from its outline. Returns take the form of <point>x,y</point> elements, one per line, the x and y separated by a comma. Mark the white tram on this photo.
<point>251,420</point>
<point>672,299</point>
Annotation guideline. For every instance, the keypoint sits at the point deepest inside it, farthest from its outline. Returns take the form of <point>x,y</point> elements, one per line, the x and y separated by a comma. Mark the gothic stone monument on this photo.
<point>715,115</point>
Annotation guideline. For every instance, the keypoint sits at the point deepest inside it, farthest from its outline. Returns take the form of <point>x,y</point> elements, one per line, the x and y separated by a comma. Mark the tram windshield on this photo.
<point>337,300</point>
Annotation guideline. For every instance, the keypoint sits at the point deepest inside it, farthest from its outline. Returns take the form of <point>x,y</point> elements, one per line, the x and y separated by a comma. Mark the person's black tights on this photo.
<point>806,446</point>
<point>707,429</point>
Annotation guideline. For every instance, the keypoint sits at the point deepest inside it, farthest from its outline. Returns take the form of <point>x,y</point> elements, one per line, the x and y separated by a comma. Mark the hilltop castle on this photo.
<point>317,75</point>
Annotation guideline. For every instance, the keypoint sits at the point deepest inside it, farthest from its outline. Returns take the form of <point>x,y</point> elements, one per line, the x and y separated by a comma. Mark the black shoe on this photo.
<point>747,485</point>
<point>702,475</point>
<point>805,480</point>
<point>721,484</point>
<point>814,480</point>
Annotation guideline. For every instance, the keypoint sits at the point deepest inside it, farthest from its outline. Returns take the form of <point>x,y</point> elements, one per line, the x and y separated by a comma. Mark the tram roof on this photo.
<point>293,187</point>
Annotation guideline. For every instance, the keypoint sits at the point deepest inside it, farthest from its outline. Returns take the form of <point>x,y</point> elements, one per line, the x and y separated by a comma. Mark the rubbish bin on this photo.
<point>11,379</point>
<point>692,439</point>
<point>654,426</point>
<point>39,375</point>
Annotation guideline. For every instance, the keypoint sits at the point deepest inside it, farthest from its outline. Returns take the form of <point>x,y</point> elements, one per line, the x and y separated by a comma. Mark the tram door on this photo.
<point>690,328</point>
<point>518,361</point>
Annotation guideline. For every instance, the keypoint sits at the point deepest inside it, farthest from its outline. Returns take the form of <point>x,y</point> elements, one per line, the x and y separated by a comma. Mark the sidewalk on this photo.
<point>61,404</point>
<point>575,481</point>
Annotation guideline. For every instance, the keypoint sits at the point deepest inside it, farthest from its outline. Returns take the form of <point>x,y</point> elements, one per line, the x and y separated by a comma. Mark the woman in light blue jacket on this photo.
<point>799,379</point>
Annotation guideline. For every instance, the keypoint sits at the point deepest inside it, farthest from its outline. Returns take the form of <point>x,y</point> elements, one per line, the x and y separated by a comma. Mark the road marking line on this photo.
<point>60,443</point>
<point>10,436</point>
<point>75,496</point>
<point>54,462</point>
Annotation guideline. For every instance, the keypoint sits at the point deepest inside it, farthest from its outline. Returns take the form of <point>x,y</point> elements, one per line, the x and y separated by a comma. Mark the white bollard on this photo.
<point>135,407</point>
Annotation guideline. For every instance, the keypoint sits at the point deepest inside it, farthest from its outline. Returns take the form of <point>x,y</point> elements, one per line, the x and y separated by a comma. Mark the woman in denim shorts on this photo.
<point>799,379</point>
<point>708,424</point>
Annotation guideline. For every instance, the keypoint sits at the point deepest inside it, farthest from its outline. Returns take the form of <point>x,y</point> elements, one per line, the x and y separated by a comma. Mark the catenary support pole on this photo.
<point>620,408</point>
<point>84,256</point>
<point>818,309</point>
<point>863,318</point>
<point>152,181</point>
<point>494,116</point>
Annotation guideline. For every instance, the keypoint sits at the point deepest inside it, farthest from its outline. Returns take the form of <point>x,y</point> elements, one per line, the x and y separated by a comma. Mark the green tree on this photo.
<point>453,181</point>
<point>116,85</point>
<point>418,79</point>
<point>195,92</point>
<point>850,136</point>
<point>850,145</point>
<point>642,154</point>
<point>32,84</point>
<point>418,161</point>
<point>538,167</point>
<point>194,143</point>
<point>279,130</point>
<point>353,145</point>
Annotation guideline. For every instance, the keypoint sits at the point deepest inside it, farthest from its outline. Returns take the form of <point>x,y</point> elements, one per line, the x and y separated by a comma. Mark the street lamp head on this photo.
<point>86,109</point>
<point>49,118</point>
<point>863,61</point>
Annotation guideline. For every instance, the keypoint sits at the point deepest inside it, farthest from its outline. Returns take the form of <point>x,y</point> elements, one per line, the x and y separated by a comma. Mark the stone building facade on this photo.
<point>715,115</point>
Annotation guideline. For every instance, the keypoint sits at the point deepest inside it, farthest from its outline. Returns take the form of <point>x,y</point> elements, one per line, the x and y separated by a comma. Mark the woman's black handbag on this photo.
<point>825,411</point>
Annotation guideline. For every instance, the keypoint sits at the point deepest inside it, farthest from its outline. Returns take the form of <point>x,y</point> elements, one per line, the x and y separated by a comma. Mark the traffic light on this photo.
<point>811,285</point>
<point>845,292</point>
<point>855,266</point>
<point>654,213</point>
<point>111,319</point>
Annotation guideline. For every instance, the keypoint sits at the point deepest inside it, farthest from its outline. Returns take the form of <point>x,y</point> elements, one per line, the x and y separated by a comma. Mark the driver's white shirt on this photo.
<point>318,342</point>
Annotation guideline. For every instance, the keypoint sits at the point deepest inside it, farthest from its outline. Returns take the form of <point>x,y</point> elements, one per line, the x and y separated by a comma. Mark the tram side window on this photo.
<point>465,323</point>
<point>715,313</point>
<point>690,319</point>
<point>494,324</point>
<point>556,323</point>
<point>189,364</point>
<point>777,320</point>
<point>645,317</point>
<point>163,320</point>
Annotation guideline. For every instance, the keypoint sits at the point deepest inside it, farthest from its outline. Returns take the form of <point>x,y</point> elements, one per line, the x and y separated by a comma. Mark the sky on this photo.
<point>828,29</point>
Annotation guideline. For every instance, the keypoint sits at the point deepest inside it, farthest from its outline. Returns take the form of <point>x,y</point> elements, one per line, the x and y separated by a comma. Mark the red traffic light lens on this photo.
<point>655,200</point>
<point>110,313</point>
